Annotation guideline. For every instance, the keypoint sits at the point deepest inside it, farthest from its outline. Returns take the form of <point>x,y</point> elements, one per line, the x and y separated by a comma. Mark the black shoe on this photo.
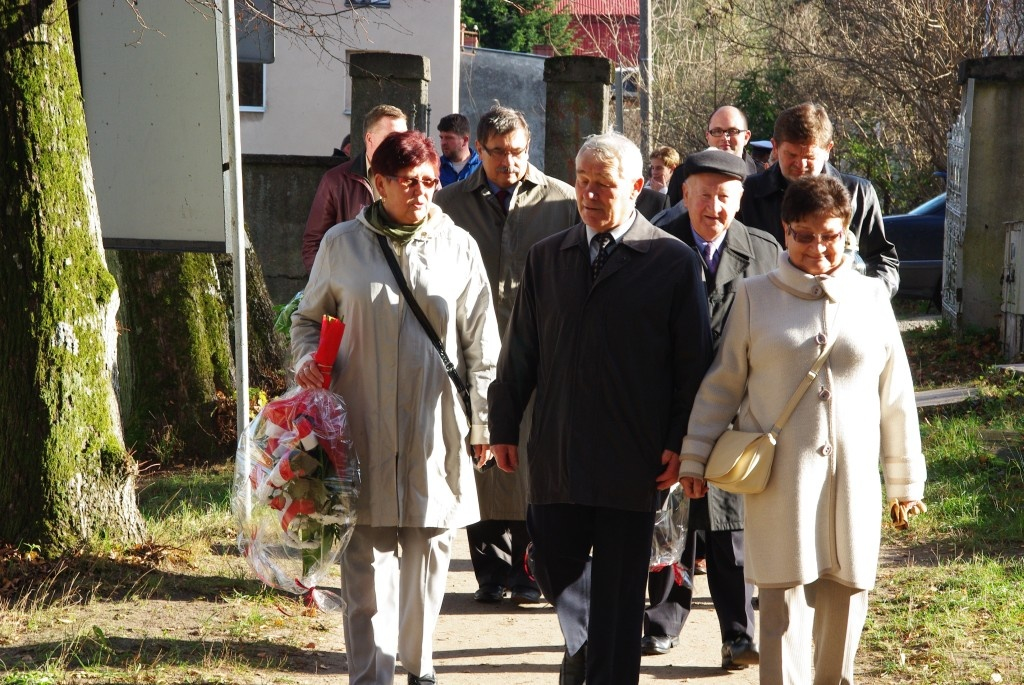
<point>423,679</point>
<point>526,595</point>
<point>574,668</point>
<point>489,594</point>
<point>739,653</point>
<point>651,645</point>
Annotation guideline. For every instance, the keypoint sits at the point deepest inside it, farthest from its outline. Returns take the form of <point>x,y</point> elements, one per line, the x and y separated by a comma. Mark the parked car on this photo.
<point>919,239</point>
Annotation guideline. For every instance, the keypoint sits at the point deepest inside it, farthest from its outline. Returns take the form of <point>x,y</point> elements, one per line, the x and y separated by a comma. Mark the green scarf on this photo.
<point>399,233</point>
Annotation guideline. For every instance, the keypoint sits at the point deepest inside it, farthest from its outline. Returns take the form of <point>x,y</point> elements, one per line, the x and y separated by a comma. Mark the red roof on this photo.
<point>629,8</point>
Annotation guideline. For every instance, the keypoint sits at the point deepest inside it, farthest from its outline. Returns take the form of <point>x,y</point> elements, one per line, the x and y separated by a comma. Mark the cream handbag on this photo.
<point>741,461</point>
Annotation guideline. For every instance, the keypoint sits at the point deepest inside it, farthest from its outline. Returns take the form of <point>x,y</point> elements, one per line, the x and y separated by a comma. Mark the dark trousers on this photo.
<point>591,564</point>
<point>497,549</point>
<point>730,593</point>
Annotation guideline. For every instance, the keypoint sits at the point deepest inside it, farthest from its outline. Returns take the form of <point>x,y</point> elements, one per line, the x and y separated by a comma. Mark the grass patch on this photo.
<point>959,621</point>
<point>941,357</point>
<point>948,608</point>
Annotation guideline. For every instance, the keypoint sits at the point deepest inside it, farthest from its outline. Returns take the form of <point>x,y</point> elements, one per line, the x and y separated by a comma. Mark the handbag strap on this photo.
<point>805,383</point>
<point>460,385</point>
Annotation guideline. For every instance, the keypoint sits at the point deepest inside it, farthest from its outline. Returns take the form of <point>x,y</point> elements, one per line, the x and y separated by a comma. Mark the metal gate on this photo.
<point>956,212</point>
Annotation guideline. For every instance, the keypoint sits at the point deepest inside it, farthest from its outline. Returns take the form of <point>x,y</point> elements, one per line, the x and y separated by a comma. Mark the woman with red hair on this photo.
<point>408,424</point>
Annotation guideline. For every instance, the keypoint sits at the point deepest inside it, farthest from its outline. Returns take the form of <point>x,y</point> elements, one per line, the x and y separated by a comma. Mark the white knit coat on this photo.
<point>819,515</point>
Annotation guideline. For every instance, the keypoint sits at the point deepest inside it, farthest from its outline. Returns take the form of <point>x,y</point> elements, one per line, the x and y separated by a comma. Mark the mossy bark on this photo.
<point>67,476</point>
<point>176,373</point>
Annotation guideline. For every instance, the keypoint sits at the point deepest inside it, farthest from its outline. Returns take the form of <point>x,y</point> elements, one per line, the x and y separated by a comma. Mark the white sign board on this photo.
<point>156,77</point>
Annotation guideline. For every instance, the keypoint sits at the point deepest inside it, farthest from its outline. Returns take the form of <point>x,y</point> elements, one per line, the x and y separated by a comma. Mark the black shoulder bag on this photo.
<point>460,385</point>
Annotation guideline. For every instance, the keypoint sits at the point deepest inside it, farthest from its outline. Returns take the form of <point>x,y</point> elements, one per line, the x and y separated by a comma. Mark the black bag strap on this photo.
<point>460,385</point>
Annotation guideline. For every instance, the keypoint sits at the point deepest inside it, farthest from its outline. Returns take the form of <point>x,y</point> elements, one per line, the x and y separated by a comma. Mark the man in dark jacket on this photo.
<point>348,187</point>
<point>802,142</point>
<point>730,252</point>
<point>610,329</point>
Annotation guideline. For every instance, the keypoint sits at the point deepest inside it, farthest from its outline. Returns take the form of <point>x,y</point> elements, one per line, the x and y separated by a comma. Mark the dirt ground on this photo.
<point>476,643</point>
<point>503,644</point>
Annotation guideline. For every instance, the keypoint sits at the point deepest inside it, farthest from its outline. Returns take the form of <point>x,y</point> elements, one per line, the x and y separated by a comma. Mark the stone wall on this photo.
<point>278,191</point>
<point>514,79</point>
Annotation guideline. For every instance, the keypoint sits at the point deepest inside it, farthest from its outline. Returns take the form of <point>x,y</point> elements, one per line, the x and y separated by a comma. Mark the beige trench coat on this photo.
<point>408,427</point>
<point>541,206</point>
<point>820,514</point>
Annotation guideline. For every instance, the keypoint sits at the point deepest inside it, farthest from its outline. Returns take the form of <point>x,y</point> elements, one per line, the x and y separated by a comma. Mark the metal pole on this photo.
<point>644,62</point>
<point>620,121</point>
<point>234,219</point>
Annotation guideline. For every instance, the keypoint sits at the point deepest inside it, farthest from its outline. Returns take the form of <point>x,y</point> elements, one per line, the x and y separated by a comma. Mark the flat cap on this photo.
<point>715,161</point>
<point>765,145</point>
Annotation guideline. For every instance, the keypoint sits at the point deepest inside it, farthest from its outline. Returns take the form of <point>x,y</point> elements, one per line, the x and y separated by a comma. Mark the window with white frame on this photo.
<point>252,87</point>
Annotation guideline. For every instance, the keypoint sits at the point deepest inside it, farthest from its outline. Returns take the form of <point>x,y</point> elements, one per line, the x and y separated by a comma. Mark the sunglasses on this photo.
<point>408,182</point>
<point>806,237</point>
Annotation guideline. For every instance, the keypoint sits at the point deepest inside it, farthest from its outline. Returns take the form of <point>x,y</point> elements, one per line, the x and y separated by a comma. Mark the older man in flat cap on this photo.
<point>729,252</point>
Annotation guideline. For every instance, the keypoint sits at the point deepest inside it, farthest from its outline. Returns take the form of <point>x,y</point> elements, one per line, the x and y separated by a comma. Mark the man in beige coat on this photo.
<point>507,205</point>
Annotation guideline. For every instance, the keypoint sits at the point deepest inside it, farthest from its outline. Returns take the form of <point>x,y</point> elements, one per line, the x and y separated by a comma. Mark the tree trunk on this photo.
<point>175,378</point>
<point>268,349</point>
<point>67,476</point>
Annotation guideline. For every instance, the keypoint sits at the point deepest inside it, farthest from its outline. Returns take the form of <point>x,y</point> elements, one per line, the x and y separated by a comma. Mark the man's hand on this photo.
<point>694,488</point>
<point>670,475</point>
<point>481,455</point>
<point>507,457</point>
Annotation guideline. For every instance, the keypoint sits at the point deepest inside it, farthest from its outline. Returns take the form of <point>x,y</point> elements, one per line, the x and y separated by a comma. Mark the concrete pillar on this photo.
<point>578,92</point>
<point>389,78</point>
<point>986,177</point>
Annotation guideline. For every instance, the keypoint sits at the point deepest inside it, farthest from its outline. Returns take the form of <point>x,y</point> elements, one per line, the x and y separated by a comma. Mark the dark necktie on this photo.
<point>603,240</point>
<point>503,196</point>
<point>709,257</point>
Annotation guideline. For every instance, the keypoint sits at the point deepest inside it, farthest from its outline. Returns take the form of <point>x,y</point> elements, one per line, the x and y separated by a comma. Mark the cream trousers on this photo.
<point>827,613</point>
<point>393,600</point>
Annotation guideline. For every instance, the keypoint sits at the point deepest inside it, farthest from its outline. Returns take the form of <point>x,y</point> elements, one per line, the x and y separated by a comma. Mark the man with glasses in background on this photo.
<point>802,142</point>
<point>727,130</point>
<point>507,205</point>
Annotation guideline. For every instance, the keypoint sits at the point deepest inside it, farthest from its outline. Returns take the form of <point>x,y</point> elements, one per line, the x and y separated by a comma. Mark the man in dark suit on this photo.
<point>611,330</point>
<point>730,252</point>
<point>651,202</point>
<point>802,142</point>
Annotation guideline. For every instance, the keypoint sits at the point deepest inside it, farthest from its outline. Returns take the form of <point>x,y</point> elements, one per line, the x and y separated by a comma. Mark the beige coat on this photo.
<point>541,206</point>
<point>819,516</point>
<point>408,428</point>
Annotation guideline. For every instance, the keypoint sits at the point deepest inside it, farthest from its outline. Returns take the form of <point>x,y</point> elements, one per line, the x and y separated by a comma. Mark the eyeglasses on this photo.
<point>731,132</point>
<point>407,182</point>
<point>502,152</point>
<point>806,237</point>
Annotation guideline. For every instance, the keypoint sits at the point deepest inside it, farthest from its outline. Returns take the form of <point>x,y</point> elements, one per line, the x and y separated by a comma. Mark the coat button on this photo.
<point>826,450</point>
<point>821,338</point>
<point>824,394</point>
<point>816,291</point>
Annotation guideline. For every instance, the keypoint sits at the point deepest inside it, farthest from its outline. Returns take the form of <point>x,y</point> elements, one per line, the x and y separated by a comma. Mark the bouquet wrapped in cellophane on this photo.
<point>296,483</point>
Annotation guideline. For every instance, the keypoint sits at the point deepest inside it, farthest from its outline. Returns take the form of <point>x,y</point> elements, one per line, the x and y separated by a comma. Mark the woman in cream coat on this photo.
<point>408,428</point>
<point>812,535</point>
